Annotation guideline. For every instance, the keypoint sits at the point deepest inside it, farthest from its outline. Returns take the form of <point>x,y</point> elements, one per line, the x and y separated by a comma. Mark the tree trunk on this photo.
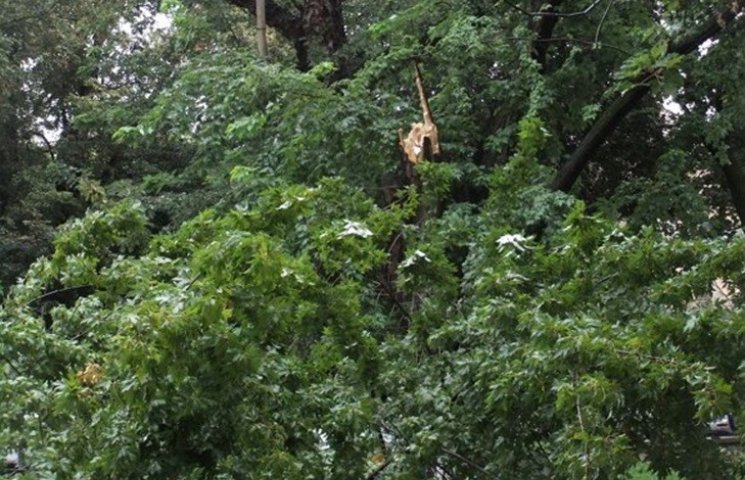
<point>261,27</point>
<point>544,29</point>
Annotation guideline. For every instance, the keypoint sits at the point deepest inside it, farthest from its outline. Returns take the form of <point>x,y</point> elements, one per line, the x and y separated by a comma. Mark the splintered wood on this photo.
<point>422,142</point>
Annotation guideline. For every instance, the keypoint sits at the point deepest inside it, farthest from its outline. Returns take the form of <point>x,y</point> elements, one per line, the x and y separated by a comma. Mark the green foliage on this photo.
<point>262,309</point>
<point>254,341</point>
<point>641,471</point>
<point>241,278</point>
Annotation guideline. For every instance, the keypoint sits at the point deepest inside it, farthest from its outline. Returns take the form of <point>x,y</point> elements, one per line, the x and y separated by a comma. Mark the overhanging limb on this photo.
<point>618,109</point>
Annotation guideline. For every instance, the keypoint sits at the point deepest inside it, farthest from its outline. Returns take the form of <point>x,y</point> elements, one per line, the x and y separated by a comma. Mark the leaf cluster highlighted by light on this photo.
<point>355,229</point>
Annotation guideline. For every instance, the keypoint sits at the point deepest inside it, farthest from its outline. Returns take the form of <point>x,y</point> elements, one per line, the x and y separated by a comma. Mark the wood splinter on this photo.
<point>422,142</point>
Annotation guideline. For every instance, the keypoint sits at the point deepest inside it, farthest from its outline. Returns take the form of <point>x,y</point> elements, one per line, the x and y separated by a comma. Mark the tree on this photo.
<point>264,287</point>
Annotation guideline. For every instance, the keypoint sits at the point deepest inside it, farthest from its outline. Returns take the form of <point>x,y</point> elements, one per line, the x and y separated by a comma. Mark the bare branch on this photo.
<point>61,291</point>
<point>465,460</point>
<point>602,20</point>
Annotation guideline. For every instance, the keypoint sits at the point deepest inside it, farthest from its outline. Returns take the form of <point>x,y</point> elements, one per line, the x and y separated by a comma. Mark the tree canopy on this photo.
<point>218,264</point>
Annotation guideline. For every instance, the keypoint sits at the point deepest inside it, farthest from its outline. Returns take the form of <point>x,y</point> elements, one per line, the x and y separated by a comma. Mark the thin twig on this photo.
<point>392,295</point>
<point>197,277</point>
<point>576,40</point>
<point>465,460</point>
<point>554,14</point>
<point>398,236</point>
<point>11,364</point>
<point>57,292</point>
<point>588,457</point>
<point>602,20</point>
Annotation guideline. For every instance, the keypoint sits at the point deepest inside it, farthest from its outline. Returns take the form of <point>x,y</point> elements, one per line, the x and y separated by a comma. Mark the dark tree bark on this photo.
<point>336,35</point>
<point>544,29</point>
<point>624,104</point>
<point>734,172</point>
<point>302,54</point>
<point>298,24</point>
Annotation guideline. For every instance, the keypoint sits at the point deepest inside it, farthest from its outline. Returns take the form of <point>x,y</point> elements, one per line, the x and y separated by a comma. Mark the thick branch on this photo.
<point>734,169</point>
<point>597,135</point>
<point>617,110</point>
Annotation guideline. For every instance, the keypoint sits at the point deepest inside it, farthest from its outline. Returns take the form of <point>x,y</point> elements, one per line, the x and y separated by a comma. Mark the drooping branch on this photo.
<point>624,104</point>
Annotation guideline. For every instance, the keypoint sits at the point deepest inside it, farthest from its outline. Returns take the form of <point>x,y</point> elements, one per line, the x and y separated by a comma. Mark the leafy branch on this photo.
<point>618,109</point>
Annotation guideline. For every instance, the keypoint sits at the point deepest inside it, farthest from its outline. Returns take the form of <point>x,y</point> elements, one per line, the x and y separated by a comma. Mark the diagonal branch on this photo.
<point>624,104</point>
<point>466,460</point>
<point>378,470</point>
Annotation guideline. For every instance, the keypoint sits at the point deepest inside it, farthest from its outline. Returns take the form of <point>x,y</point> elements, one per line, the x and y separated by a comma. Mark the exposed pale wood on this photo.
<point>423,141</point>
